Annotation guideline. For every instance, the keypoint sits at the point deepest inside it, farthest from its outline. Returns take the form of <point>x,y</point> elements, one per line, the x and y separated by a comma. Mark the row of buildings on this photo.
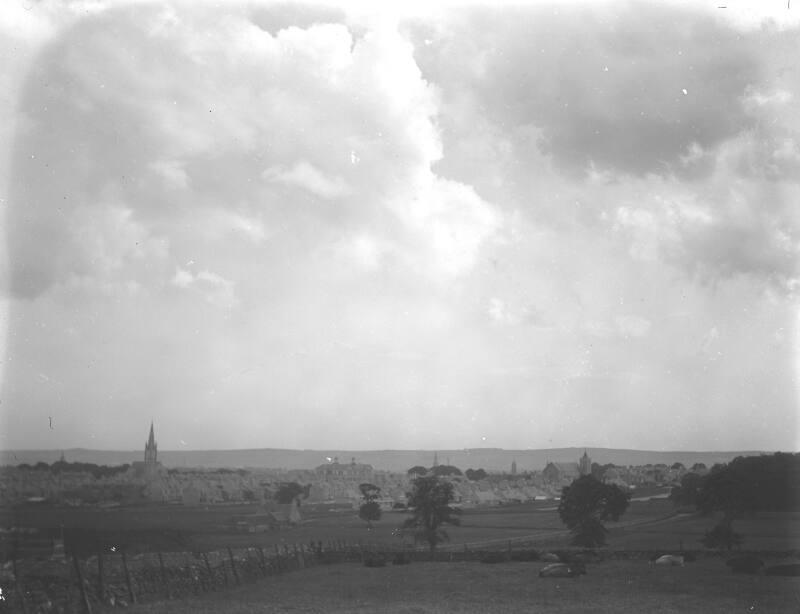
<point>333,481</point>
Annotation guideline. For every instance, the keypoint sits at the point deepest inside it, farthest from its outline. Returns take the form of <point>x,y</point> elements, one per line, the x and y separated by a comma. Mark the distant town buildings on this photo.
<point>345,471</point>
<point>564,473</point>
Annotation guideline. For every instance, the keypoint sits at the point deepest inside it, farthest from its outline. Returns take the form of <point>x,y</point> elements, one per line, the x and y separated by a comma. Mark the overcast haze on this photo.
<point>312,227</point>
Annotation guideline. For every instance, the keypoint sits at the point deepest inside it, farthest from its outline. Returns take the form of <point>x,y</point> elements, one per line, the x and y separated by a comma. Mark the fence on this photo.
<point>74,584</point>
<point>118,579</point>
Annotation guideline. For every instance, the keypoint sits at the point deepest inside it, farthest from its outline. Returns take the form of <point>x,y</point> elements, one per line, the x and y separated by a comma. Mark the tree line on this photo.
<point>745,486</point>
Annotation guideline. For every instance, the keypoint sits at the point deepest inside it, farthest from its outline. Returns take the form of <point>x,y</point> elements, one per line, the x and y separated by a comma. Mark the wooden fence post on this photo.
<point>263,560</point>
<point>101,589</point>
<point>164,583</point>
<point>208,569</point>
<point>131,594</point>
<point>233,566</point>
<point>84,597</point>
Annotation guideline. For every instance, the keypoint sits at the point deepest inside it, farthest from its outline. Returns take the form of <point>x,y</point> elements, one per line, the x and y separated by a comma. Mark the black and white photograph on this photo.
<point>399,307</point>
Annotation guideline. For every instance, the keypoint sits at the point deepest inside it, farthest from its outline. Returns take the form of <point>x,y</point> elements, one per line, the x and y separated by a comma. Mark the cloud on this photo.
<point>598,88</point>
<point>214,288</point>
<point>632,325</point>
<point>186,127</point>
<point>304,175</point>
<point>293,217</point>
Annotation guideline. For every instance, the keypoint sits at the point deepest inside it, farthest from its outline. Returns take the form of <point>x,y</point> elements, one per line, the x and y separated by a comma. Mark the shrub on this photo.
<point>525,555</point>
<point>401,558</point>
<point>722,535</point>
<point>493,557</point>
<point>374,560</point>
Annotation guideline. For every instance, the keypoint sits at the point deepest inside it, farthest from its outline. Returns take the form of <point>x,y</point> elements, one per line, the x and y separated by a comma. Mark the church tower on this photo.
<point>151,449</point>
<point>585,464</point>
<point>514,467</point>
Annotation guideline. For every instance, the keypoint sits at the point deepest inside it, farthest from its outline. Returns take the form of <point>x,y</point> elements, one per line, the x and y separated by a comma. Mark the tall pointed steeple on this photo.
<point>435,459</point>
<point>151,448</point>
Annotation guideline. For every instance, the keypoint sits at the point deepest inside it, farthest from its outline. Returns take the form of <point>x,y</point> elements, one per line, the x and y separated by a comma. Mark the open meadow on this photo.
<point>647,525</point>
<point>704,587</point>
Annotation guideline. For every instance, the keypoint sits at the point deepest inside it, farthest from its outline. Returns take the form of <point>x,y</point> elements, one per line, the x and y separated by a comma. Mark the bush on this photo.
<point>722,535</point>
<point>374,560</point>
<point>747,563</point>
<point>525,555</point>
<point>493,557</point>
<point>401,558</point>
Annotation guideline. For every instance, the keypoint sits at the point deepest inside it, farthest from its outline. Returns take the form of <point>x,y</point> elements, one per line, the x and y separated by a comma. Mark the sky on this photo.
<point>439,226</point>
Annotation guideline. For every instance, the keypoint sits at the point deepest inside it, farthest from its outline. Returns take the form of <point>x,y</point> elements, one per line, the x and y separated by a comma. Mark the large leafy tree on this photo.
<point>430,501</point>
<point>745,486</point>
<point>290,491</point>
<point>474,475</point>
<point>586,504</point>
<point>370,510</point>
<point>445,470</point>
<point>689,490</point>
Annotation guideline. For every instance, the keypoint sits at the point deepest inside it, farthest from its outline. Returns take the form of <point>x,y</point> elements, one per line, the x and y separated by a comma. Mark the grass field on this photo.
<point>704,587</point>
<point>643,527</point>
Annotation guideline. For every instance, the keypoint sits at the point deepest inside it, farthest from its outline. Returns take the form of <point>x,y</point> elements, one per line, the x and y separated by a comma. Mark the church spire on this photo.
<point>151,448</point>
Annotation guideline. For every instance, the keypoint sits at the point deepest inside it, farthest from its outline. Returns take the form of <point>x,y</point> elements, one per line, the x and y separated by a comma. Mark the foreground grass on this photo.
<point>435,588</point>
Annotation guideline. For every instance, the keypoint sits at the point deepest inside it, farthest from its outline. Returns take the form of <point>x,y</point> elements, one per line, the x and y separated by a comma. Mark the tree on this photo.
<point>689,490</point>
<point>678,466</point>
<point>444,470</point>
<point>475,475</point>
<point>417,470</point>
<point>586,504</point>
<point>370,510</point>
<point>430,501</point>
<point>289,491</point>
<point>698,467</point>
<point>745,486</point>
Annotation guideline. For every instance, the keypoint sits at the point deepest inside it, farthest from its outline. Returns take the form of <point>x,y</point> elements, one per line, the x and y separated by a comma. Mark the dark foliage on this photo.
<point>474,475</point>
<point>97,471</point>
<point>753,483</point>
<point>722,535</point>
<point>689,490</point>
<point>747,563</point>
<point>401,558</point>
<point>417,470</point>
<point>291,491</point>
<point>586,504</point>
<point>430,501</point>
<point>370,510</point>
<point>525,555</point>
<point>372,559</point>
<point>792,570</point>
<point>445,470</point>
<point>493,557</point>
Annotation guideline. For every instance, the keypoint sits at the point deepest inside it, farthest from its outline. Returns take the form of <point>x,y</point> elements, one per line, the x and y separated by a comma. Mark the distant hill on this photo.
<point>490,459</point>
